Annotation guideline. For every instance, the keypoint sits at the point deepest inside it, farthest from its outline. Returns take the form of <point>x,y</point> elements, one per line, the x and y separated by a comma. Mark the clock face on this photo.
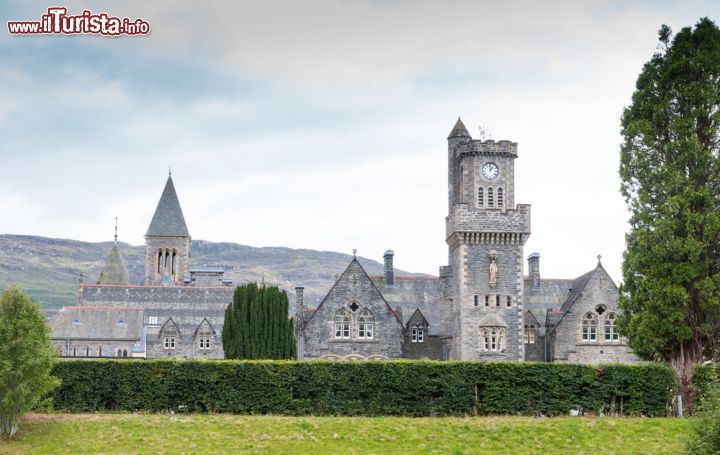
<point>490,171</point>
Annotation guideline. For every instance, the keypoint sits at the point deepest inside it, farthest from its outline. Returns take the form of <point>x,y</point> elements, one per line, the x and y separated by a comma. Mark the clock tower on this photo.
<point>485,234</point>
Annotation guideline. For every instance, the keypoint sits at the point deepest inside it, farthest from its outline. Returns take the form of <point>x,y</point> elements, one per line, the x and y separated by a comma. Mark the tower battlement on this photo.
<point>486,147</point>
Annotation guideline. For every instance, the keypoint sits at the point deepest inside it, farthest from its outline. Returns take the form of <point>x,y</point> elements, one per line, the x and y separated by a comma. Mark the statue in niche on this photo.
<point>493,272</point>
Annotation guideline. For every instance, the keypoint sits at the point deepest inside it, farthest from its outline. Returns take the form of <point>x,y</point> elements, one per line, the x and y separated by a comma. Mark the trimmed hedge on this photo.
<point>407,388</point>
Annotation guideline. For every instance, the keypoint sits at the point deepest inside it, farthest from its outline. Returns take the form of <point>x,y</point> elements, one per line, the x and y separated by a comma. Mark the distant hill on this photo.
<point>48,269</point>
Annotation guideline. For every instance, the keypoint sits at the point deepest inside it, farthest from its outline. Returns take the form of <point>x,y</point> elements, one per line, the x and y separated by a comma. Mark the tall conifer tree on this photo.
<point>257,324</point>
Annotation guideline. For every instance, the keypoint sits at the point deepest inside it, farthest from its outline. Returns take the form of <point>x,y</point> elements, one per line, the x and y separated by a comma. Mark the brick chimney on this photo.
<point>534,271</point>
<point>389,269</point>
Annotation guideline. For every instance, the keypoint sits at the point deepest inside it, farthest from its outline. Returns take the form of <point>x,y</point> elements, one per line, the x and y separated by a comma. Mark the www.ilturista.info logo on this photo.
<point>57,22</point>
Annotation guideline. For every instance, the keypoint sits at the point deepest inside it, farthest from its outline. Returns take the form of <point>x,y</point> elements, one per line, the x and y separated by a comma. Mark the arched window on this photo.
<point>611,333</point>
<point>99,351</point>
<point>589,327</point>
<point>119,352</point>
<point>481,197</point>
<point>366,325</point>
<point>342,324</point>
<point>490,197</point>
<point>124,352</point>
<point>492,339</point>
<point>500,198</point>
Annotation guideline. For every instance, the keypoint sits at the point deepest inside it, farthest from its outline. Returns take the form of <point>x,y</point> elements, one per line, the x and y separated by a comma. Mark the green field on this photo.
<point>163,433</point>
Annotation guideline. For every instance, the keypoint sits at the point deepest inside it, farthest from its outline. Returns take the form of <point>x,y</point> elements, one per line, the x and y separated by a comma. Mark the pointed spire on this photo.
<point>459,130</point>
<point>114,271</point>
<point>168,219</point>
<point>115,230</point>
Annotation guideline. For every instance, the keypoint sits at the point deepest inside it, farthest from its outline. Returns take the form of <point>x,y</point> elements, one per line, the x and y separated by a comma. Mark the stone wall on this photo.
<point>353,286</point>
<point>567,337</point>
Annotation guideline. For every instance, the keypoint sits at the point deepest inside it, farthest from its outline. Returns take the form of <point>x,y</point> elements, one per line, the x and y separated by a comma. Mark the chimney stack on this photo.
<point>534,271</point>
<point>389,269</point>
<point>299,289</point>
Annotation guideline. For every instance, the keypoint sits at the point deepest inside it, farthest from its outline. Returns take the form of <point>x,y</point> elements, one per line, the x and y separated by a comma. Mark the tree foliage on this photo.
<point>26,358</point>
<point>669,171</point>
<point>257,325</point>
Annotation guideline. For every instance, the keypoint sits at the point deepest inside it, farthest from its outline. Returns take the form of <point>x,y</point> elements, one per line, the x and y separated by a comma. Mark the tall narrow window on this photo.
<point>530,333</point>
<point>490,197</point>
<point>589,327</point>
<point>342,324</point>
<point>174,259</point>
<point>485,340</point>
<point>509,301</point>
<point>99,351</point>
<point>497,300</point>
<point>500,198</point>
<point>124,352</point>
<point>87,351</point>
<point>611,333</point>
<point>487,300</point>
<point>366,325</point>
<point>475,300</point>
<point>159,261</point>
<point>481,198</point>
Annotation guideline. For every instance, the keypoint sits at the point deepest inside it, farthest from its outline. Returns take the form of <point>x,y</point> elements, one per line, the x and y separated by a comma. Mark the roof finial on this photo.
<point>599,256</point>
<point>354,253</point>
<point>115,230</point>
<point>169,171</point>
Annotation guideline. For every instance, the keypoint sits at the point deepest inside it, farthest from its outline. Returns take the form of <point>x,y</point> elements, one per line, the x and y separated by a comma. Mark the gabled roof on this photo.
<point>529,318</point>
<point>362,270</point>
<point>169,323</point>
<point>417,318</point>
<point>577,287</point>
<point>205,320</point>
<point>459,130</point>
<point>114,271</point>
<point>168,219</point>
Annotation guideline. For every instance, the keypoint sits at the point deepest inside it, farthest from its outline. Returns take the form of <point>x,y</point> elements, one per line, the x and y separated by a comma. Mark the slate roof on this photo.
<point>97,323</point>
<point>410,293</point>
<point>551,296</point>
<point>114,271</point>
<point>578,285</point>
<point>459,130</point>
<point>168,219</point>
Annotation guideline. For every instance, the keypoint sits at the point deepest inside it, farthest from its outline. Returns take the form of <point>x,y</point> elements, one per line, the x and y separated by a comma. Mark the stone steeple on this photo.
<point>459,130</point>
<point>168,220</point>
<point>114,271</point>
<point>167,242</point>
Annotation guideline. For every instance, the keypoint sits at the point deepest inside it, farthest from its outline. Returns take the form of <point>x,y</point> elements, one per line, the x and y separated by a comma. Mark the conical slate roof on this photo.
<point>114,271</point>
<point>168,219</point>
<point>459,130</point>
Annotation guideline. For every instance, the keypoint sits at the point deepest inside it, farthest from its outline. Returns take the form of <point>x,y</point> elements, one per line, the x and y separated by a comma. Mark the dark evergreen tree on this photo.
<point>670,171</point>
<point>257,324</point>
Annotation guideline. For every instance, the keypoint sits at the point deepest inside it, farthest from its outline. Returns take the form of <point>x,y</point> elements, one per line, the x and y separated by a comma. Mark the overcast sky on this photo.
<point>323,124</point>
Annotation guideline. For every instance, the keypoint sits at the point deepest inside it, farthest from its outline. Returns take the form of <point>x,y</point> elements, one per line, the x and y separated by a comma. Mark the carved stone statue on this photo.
<point>493,272</point>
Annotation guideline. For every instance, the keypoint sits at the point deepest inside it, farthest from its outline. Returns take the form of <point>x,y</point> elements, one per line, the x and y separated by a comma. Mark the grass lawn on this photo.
<point>162,433</point>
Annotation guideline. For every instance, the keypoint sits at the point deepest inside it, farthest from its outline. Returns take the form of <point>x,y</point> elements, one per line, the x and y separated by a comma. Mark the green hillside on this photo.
<point>49,269</point>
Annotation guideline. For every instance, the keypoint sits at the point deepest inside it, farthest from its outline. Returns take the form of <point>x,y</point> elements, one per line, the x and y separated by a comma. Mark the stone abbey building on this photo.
<point>482,306</point>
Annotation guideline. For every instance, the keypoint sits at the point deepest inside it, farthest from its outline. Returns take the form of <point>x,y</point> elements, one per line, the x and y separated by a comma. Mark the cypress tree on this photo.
<point>257,324</point>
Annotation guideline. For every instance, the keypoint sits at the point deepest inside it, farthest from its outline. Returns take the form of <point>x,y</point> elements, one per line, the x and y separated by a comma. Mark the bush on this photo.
<point>407,388</point>
<point>705,438</point>
<point>26,357</point>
